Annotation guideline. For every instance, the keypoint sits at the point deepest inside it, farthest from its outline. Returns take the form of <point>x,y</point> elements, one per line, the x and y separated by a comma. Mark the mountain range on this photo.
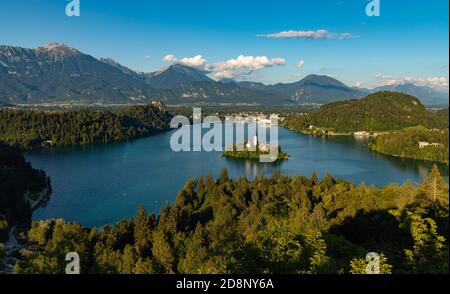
<point>427,95</point>
<point>59,73</point>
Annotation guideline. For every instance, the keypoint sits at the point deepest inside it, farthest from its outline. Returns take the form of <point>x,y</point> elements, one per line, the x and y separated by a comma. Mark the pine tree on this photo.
<point>142,232</point>
<point>223,175</point>
<point>434,189</point>
<point>128,260</point>
<point>429,253</point>
<point>314,178</point>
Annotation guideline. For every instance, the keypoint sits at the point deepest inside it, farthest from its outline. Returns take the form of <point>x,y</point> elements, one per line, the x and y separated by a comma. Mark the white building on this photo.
<point>362,134</point>
<point>424,144</point>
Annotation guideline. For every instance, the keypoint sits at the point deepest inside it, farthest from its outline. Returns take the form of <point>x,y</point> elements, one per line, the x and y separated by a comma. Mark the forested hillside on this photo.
<point>382,111</point>
<point>31,129</point>
<point>17,180</point>
<point>443,115</point>
<point>270,225</point>
<point>406,143</point>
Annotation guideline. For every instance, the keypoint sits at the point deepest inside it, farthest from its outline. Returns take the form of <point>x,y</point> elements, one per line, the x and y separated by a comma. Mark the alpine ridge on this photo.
<point>58,73</point>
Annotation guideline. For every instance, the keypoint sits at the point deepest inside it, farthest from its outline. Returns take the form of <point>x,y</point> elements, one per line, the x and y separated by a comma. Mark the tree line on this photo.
<point>18,179</point>
<point>405,143</point>
<point>280,224</point>
<point>33,129</point>
<point>381,111</point>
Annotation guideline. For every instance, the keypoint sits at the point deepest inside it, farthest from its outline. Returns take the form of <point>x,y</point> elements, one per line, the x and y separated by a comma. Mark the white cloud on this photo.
<point>147,57</point>
<point>169,58</point>
<point>228,74</point>
<point>244,65</point>
<point>197,61</point>
<point>345,36</point>
<point>278,61</point>
<point>358,84</point>
<point>232,68</point>
<point>312,34</point>
<point>301,63</point>
<point>439,83</point>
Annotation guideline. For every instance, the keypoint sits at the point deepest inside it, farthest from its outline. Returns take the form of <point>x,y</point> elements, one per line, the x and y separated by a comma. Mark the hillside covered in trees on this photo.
<point>406,143</point>
<point>18,179</point>
<point>32,129</point>
<point>269,225</point>
<point>381,111</point>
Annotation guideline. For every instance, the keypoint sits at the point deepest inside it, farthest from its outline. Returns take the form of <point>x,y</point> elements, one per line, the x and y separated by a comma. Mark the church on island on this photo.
<point>256,146</point>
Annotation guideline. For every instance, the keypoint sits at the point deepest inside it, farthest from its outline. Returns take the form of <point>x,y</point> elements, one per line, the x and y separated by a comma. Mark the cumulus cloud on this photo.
<point>197,61</point>
<point>439,83</point>
<point>301,63</point>
<point>312,34</point>
<point>232,68</point>
<point>170,58</point>
<point>278,61</point>
<point>244,65</point>
<point>248,62</point>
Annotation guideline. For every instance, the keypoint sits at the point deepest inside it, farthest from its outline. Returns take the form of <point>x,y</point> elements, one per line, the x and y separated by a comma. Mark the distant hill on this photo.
<point>174,75</point>
<point>316,89</point>
<point>122,68</point>
<point>381,111</point>
<point>427,95</point>
<point>211,91</point>
<point>250,85</point>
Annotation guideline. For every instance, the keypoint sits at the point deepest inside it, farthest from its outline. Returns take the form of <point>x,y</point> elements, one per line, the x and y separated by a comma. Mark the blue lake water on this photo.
<point>101,184</point>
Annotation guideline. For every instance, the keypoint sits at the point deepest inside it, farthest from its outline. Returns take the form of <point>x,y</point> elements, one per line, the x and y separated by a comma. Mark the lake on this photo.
<point>98,185</point>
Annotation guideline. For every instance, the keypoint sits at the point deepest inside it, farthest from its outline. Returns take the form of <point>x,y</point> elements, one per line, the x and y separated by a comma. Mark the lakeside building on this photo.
<point>423,144</point>
<point>362,134</point>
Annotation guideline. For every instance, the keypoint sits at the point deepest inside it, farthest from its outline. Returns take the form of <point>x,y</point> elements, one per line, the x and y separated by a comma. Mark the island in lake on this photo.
<point>253,150</point>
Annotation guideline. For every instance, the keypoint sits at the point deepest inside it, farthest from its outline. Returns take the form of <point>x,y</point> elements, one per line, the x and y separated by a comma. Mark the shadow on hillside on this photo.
<point>376,231</point>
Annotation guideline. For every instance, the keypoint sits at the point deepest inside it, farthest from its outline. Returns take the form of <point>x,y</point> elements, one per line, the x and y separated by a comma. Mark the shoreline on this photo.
<point>368,146</point>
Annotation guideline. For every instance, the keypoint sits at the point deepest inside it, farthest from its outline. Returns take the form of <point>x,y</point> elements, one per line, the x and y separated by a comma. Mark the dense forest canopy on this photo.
<point>399,124</point>
<point>17,180</point>
<point>442,115</point>
<point>381,111</point>
<point>31,129</point>
<point>406,143</point>
<point>269,225</point>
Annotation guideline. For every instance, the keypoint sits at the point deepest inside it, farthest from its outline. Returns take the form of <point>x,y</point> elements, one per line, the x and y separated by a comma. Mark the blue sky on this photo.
<point>408,41</point>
